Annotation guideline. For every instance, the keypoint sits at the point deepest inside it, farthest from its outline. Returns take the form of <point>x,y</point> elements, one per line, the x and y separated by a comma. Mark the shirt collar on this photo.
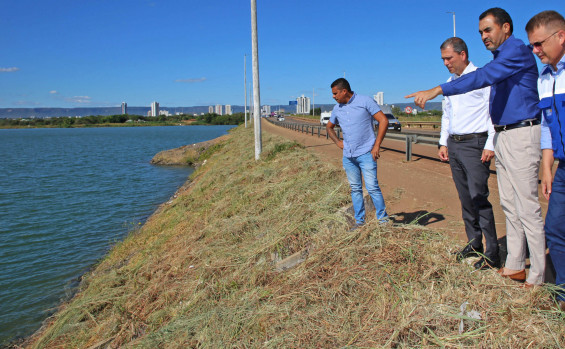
<point>350,99</point>
<point>501,47</point>
<point>469,68</point>
<point>549,69</point>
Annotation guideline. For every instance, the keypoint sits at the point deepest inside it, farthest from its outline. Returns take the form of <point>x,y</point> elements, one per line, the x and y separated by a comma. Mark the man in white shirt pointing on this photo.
<point>467,143</point>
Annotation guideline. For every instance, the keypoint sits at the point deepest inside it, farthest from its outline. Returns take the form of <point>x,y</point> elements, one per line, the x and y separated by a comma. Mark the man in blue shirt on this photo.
<point>546,33</point>
<point>512,75</point>
<point>355,114</point>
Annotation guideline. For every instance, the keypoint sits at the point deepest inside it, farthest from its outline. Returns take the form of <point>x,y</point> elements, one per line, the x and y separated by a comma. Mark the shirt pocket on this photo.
<point>546,107</point>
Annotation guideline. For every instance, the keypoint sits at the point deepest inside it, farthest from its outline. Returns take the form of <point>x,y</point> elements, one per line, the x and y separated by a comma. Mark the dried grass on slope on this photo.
<point>200,272</point>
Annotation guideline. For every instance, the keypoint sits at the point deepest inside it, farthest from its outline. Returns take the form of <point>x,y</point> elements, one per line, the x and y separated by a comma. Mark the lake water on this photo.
<point>66,195</point>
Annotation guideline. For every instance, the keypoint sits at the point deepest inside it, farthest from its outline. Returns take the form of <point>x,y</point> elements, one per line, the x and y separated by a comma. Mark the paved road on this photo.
<point>405,130</point>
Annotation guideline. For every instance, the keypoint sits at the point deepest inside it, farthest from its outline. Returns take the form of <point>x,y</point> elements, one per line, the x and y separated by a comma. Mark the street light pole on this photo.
<point>313,104</point>
<point>245,85</point>
<point>453,22</point>
<point>256,97</point>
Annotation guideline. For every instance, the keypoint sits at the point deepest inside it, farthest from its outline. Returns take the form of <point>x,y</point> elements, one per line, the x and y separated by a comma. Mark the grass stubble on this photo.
<point>200,272</point>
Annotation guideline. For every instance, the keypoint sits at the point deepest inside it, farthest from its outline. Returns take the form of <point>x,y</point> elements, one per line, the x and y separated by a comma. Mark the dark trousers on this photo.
<point>471,180</point>
<point>555,227</point>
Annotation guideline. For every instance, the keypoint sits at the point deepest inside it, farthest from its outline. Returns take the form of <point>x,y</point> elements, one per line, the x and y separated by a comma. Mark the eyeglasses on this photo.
<point>540,43</point>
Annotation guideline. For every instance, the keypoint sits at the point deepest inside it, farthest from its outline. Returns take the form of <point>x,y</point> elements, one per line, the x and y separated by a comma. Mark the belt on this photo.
<point>466,137</point>
<point>516,125</point>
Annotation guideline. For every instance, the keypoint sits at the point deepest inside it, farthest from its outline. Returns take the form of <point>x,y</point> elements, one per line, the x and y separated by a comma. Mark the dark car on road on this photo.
<point>393,123</point>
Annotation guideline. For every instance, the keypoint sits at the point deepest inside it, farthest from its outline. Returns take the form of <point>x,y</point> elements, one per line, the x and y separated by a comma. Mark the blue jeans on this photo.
<point>364,164</point>
<point>555,229</point>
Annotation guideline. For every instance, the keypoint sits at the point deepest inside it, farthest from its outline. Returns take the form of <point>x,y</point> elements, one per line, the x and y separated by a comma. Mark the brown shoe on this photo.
<point>519,276</point>
<point>527,285</point>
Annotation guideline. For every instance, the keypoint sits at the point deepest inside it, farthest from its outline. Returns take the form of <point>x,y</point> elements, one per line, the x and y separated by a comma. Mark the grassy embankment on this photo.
<point>202,272</point>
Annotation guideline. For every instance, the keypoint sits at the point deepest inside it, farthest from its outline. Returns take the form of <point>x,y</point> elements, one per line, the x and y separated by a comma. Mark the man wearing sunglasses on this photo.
<point>546,33</point>
<point>512,75</point>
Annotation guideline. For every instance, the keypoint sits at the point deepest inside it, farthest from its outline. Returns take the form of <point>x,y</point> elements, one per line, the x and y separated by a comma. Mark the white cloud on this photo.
<point>190,81</point>
<point>9,70</point>
<point>53,92</point>
<point>26,103</point>
<point>79,99</point>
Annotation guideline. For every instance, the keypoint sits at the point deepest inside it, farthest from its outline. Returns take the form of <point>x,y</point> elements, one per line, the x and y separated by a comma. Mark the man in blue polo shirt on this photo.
<point>355,114</point>
<point>546,33</point>
<point>512,75</point>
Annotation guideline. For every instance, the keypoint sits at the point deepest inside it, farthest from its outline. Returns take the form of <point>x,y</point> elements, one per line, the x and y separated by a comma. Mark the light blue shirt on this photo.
<point>550,94</point>
<point>356,121</point>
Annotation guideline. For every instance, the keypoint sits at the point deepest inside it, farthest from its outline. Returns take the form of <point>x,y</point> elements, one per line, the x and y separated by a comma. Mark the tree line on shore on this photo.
<point>96,120</point>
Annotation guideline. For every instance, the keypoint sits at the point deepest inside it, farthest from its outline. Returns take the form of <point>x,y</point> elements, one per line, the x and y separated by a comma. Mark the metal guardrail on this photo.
<point>433,124</point>
<point>320,131</point>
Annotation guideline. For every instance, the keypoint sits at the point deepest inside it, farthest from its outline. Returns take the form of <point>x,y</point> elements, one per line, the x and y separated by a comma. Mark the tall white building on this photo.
<point>211,109</point>
<point>154,109</point>
<point>124,108</point>
<point>228,109</point>
<point>379,98</point>
<point>266,110</point>
<point>303,105</point>
<point>218,109</point>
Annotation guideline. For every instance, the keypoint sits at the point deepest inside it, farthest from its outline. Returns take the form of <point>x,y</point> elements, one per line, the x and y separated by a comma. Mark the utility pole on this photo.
<point>256,96</point>
<point>453,22</point>
<point>245,85</point>
<point>313,104</point>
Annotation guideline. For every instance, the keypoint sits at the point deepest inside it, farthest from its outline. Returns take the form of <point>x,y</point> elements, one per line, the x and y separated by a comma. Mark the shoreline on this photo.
<point>193,123</point>
<point>166,158</point>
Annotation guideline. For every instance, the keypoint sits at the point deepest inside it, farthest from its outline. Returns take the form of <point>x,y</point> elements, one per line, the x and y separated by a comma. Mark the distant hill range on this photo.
<point>16,113</point>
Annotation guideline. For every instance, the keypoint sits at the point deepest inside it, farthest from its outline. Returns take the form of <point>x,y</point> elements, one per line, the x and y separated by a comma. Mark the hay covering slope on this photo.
<point>200,272</point>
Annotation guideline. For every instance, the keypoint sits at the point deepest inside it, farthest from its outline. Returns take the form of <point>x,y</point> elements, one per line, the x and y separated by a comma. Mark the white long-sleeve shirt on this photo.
<point>467,113</point>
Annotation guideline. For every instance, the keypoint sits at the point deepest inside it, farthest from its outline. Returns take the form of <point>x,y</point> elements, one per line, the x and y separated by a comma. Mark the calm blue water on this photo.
<point>65,196</point>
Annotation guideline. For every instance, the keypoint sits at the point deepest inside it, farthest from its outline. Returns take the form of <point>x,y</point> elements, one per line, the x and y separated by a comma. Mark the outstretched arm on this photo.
<point>421,97</point>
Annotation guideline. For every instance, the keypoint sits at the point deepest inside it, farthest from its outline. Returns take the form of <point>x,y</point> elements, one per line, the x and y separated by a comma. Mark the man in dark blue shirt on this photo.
<point>512,75</point>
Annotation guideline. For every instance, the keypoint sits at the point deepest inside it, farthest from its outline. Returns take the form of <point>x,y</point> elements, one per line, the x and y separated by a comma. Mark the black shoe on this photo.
<point>469,251</point>
<point>487,263</point>
<point>356,226</point>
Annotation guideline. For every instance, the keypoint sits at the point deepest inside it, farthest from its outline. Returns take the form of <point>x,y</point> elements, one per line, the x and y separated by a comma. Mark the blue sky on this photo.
<point>83,53</point>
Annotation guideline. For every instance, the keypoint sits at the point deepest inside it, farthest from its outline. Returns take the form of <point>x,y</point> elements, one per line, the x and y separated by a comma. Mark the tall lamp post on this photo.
<point>256,97</point>
<point>245,85</point>
<point>313,104</point>
<point>453,22</point>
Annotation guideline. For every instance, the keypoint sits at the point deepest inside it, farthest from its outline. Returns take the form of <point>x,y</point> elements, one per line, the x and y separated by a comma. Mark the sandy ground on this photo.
<point>423,186</point>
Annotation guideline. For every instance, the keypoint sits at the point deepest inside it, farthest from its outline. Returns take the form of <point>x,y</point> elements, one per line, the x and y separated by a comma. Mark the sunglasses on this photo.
<point>539,44</point>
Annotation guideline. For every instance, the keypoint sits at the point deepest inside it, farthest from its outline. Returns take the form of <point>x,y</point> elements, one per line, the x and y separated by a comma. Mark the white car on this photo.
<point>325,117</point>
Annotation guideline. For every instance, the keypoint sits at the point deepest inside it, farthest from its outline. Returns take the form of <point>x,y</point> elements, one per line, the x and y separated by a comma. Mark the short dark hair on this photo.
<point>457,44</point>
<point>341,83</point>
<point>500,17</point>
<point>547,19</point>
